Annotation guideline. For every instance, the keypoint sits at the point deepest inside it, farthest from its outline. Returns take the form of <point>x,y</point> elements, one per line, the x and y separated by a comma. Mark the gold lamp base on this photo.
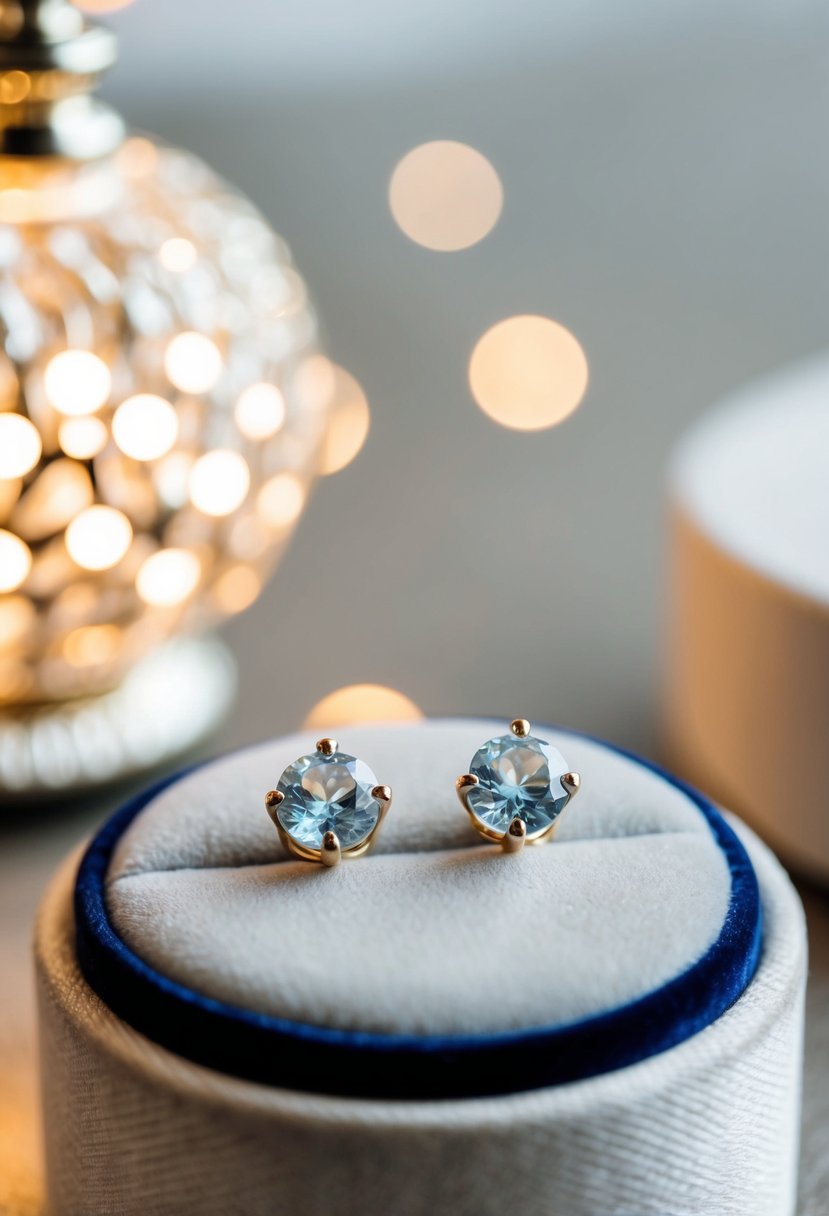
<point>169,703</point>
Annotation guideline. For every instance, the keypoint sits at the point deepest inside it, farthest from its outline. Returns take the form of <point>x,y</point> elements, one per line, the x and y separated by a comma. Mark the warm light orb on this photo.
<point>168,577</point>
<point>528,373</point>
<point>17,617</point>
<point>363,703</point>
<point>177,254</point>
<point>91,645</point>
<point>445,195</point>
<point>280,501</point>
<point>15,561</point>
<point>82,438</point>
<point>260,411</point>
<point>101,6</point>
<point>236,589</point>
<point>219,482</point>
<point>145,427</point>
<point>98,538</point>
<point>77,382</point>
<point>20,445</point>
<point>193,362</point>
<point>348,424</point>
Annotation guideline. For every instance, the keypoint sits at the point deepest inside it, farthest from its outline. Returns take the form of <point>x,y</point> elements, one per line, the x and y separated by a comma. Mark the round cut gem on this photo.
<point>328,794</point>
<point>517,779</point>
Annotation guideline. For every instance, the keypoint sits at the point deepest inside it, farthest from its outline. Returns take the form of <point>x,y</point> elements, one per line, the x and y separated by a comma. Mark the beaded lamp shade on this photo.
<point>162,405</point>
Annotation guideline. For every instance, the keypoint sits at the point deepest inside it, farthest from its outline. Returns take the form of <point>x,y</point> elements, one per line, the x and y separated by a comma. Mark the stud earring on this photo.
<point>328,805</point>
<point>516,788</point>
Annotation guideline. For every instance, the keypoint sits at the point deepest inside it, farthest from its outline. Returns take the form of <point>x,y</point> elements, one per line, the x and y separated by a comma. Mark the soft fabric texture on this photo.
<point>708,1128</point>
<point>446,972</point>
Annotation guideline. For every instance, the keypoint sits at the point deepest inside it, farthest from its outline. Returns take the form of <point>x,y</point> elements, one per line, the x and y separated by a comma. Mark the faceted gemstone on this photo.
<point>517,778</point>
<point>328,794</point>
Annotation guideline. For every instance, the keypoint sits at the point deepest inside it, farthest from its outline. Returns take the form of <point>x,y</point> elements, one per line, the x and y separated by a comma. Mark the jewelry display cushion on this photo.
<point>747,692</point>
<point>607,1025</point>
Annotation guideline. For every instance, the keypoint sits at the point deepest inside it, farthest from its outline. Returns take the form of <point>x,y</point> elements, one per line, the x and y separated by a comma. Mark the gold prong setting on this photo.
<point>328,806</point>
<point>516,789</point>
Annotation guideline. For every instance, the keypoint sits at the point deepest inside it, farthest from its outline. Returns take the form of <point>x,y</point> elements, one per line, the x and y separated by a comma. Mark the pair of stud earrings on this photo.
<point>328,805</point>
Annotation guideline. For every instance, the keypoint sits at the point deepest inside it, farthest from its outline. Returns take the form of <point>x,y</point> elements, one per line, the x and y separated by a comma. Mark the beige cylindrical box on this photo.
<point>747,667</point>
<point>609,1025</point>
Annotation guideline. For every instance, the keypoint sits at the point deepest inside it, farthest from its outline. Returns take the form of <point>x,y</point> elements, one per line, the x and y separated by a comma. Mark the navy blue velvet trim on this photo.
<point>292,1055</point>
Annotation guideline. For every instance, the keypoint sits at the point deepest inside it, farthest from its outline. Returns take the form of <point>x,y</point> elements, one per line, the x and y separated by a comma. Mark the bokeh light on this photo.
<point>17,617</point>
<point>280,501</point>
<point>348,424</point>
<point>145,426</point>
<point>363,703</point>
<point>91,645</point>
<point>77,382</point>
<point>98,538</point>
<point>20,445</point>
<point>15,561</point>
<point>82,438</point>
<point>168,577</point>
<point>177,254</point>
<point>236,589</point>
<point>219,482</point>
<point>445,195</point>
<point>528,373</point>
<point>260,411</point>
<point>193,362</point>
<point>101,6</point>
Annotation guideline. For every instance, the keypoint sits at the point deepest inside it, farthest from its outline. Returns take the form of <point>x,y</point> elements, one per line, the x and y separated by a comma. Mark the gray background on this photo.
<point>666,197</point>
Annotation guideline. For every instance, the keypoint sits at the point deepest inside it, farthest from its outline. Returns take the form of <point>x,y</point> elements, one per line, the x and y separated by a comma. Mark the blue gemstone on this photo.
<point>517,779</point>
<point>328,794</point>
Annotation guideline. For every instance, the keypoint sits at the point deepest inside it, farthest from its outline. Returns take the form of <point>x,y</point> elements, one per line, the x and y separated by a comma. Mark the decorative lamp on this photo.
<point>162,406</point>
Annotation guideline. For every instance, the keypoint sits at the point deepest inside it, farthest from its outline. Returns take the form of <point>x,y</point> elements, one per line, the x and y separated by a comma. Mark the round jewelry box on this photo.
<point>747,663</point>
<point>607,1024</point>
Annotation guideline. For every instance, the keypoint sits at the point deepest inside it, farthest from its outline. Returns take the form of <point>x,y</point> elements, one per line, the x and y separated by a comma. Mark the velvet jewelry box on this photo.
<point>607,1025</point>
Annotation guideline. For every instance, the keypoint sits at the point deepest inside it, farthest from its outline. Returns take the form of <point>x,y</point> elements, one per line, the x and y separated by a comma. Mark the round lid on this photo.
<point>438,965</point>
<point>753,475</point>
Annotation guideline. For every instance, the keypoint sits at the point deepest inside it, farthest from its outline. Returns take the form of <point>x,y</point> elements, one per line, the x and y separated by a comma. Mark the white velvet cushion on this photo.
<point>434,932</point>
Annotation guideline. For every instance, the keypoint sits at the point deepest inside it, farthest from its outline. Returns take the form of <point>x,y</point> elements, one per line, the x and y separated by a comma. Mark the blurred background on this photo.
<point>664,198</point>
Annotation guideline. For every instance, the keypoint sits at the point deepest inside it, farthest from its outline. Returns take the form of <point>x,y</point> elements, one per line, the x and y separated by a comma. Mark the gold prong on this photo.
<point>571,782</point>
<point>520,727</point>
<point>465,783</point>
<point>514,837</point>
<point>327,747</point>
<point>330,853</point>
<point>273,798</point>
<point>383,795</point>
